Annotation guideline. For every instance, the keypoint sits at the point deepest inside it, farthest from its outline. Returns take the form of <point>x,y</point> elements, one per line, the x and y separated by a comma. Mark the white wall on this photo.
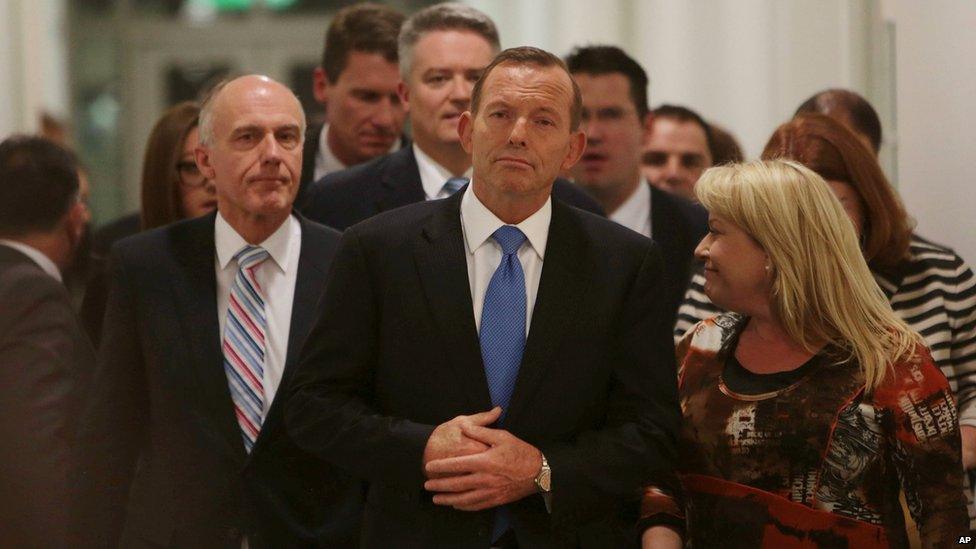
<point>935,47</point>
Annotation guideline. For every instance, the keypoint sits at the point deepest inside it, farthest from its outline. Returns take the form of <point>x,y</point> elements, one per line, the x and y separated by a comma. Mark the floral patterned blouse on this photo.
<point>819,462</point>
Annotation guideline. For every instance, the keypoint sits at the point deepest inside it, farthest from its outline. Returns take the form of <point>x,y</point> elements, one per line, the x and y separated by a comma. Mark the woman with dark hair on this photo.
<point>810,405</point>
<point>172,189</point>
<point>928,285</point>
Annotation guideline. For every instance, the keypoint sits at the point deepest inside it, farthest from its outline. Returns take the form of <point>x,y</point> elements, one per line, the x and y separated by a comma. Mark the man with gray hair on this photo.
<point>182,443</point>
<point>443,49</point>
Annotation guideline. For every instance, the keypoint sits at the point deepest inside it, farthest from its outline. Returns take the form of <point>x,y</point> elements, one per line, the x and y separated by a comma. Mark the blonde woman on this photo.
<point>810,405</point>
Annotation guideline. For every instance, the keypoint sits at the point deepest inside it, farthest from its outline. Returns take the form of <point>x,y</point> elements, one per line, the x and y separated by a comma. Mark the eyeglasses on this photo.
<point>190,174</point>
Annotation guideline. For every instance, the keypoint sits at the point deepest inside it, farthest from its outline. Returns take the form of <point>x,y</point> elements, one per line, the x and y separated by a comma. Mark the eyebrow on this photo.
<point>257,128</point>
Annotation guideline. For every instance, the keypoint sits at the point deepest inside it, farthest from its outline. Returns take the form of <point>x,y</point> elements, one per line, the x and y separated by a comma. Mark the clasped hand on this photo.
<point>471,467</point>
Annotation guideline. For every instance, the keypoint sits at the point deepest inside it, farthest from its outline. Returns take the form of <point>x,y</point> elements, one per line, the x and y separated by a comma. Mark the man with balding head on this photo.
<point>497,364</point>
<point>182,443</point>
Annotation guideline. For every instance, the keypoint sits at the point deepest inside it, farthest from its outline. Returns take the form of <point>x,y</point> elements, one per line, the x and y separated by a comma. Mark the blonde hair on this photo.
<point>822,290</point>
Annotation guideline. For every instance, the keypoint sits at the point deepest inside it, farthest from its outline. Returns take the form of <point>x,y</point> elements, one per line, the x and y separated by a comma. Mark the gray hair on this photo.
<point>443,17</point>
<point>206,124</point>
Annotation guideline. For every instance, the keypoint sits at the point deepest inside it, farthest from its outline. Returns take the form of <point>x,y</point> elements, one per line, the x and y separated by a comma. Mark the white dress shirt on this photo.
<point>276,276</point>
<point>433,175</point>
<point>37,256</point>
<point>326,162</point>
<point>484,254</point>
<point>635,212</point>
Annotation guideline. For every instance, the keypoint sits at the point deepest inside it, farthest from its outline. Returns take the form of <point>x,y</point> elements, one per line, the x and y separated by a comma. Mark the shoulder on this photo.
<point>915,376</point>
<point>27,291</point>
<point>689,213</point>
<point>572,194</point>
<point>149,247</point>
<point>927,256</point>
<point>355,181</point>
<point>713,333</point>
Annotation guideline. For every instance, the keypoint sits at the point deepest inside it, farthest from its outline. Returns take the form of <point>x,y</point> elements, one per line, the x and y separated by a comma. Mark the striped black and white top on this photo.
<point>934,291</point>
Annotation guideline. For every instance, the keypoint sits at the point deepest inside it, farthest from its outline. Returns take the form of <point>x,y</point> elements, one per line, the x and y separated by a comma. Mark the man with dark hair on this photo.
<point>182,444</point>
<point>443,49</point>
<point>617,122</point>
<point>45,358</point>
<point>497,364</point>
<point>357,83</point>
<point>850,109</point>
<point>678,150</point>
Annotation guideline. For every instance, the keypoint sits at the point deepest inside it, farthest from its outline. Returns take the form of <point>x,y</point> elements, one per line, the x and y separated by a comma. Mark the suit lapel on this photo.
<point>197,300</point>
<point>564,279</point>
<point>311,276</point>
<point>443,271</point>
<point>400,181</point>
<point>663,222</point>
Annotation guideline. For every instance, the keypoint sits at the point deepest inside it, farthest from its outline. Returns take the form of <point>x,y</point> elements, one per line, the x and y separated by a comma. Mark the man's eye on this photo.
<point>655,159</point>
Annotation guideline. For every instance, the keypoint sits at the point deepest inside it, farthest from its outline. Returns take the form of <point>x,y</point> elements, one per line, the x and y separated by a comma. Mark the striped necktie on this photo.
<point>244,344</point>
<point>454,184</point>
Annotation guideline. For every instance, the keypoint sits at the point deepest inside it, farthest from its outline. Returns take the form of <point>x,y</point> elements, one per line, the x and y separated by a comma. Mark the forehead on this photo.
<point>452,48</point>
<point>679,135</point>
<point>263,105</point>
<point>365,69</point>
<point>604,90</point>
<point>530,85</point>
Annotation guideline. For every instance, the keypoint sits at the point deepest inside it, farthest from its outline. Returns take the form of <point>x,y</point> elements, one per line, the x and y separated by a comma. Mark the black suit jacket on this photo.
<point>311,148</point>
<point>677,226</point>
<point>45,360</point>
<point>345,198</point>
<point>161,457</point>
<point>395,353</point>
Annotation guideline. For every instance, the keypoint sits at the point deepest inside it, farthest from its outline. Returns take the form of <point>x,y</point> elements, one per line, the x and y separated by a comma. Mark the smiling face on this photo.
<point>255,159</point>
<point>614,135</point>
<point>736,278</point>
<point>364,110</point>
<point>446,65</point>
<point>520,138</point>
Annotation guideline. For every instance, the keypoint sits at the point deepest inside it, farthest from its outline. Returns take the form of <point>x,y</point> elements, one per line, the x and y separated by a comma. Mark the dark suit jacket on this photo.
<point>96,287</point>
<point>677,226</point>
<point>161,457</point>
<point>345,198</point>
<point>395,353</point>
<point>311,148</point>
<point>45,360</point>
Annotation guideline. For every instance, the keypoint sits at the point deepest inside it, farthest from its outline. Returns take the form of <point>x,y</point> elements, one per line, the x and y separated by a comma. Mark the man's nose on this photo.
<point>386,114</point>
<point>270,148</point>
<point>519,131</point>
<point>460,91</point>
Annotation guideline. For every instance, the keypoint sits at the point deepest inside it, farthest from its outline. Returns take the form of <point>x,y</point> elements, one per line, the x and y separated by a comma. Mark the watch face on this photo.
<point>544,479</point>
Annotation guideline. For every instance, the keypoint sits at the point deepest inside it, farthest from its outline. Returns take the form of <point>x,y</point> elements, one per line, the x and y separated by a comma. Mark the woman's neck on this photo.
<point>765,348</point>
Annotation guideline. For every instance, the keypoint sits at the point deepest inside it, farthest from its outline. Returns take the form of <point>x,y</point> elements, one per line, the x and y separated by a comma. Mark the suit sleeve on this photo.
<point>37,384</point>
<point>637,445</point>
<point>113,423</point>
<point>329,411</point>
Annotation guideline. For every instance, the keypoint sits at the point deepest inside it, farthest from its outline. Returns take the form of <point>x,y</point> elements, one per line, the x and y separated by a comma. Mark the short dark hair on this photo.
<point>527,55</point>
<point>38,184</point>
<point>852,109</point>
<point>600,60</point>
<point>684,114</point>
<point>369,28</point>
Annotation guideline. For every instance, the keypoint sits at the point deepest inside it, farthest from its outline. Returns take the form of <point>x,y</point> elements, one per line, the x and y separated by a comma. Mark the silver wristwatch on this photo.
<point>544,478</point>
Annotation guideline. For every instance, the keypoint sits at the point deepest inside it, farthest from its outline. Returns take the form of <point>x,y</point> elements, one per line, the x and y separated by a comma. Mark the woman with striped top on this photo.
<point>928,286</point>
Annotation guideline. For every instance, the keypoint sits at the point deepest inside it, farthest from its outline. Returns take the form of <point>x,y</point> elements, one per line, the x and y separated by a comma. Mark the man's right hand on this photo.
<point>448,440</point>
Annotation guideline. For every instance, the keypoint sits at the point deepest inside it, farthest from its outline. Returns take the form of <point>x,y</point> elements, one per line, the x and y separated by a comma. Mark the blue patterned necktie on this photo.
<point>454,184</point>
<point>244,344</point>
<point>503,334</point>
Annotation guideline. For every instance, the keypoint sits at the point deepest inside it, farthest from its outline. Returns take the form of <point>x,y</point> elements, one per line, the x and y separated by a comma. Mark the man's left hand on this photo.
<point>502,474</point>
<point>968,435</point>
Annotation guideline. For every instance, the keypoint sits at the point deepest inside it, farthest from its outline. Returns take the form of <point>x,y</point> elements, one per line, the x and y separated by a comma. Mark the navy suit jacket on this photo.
<point>161,460</point>
<point>677,226</point>
<point>345,198</point>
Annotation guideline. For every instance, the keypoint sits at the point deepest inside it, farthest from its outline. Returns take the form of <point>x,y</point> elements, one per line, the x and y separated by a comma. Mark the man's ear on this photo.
<point>320,85</point>
<point>577,144</point>
<point>465,129</point>
<point>404,92</point>
<point>202,156</point>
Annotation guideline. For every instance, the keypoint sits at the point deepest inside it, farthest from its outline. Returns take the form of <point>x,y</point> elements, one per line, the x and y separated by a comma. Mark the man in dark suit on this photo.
<point>617,122</point>
<point>183,443</point>
<point>45,359</point>
<point>357,84</point>
<point>443,50</point>
<point>424,376</point>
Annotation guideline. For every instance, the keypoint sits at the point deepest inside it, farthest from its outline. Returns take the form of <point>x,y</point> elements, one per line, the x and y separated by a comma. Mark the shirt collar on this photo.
<point>228,242</point>
<point>330,163</point>
<point>37,256</point>
<point>479,223</point>
<point>432,175</point>
<point>636,210</point>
